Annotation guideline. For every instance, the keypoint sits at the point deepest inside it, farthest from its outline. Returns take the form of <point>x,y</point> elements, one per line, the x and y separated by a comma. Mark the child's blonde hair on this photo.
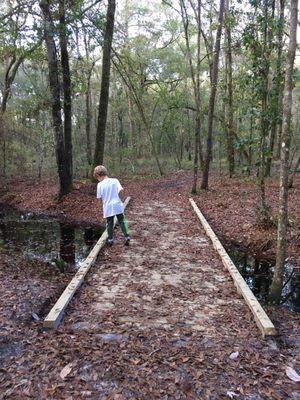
<point>100,171</point>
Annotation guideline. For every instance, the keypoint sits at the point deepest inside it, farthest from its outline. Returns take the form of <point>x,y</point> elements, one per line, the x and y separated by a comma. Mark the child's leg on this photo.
<point>110,227</point>
<point>123,224</point>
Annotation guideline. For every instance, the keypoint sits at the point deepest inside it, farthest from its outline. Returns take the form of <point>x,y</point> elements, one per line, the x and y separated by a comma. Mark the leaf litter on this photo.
<point>163,336</point>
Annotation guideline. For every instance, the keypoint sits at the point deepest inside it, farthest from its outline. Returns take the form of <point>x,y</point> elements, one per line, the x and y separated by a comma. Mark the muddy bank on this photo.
<point>230,207</point>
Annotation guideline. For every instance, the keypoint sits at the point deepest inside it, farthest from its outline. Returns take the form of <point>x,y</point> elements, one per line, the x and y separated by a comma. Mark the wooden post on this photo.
<point>56,314</point>
<point>261,318</point>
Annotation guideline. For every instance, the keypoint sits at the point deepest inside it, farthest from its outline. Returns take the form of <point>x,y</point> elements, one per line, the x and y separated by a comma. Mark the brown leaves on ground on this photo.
<point>158,320</point>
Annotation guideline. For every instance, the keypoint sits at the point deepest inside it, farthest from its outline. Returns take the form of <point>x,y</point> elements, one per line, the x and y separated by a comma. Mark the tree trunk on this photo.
<point>104,93</point>
<point>291,180</point>
<point>263,210</point>
<point>277,282</point>
<point>195,75</point>
<point>211,107</point>
<point>63,40</point>
<point>49,33</point>
<point>132,130</point>
<point>10,75</point>
<point>277,91</point>
<point>230,133</point>
<point>88,119</point>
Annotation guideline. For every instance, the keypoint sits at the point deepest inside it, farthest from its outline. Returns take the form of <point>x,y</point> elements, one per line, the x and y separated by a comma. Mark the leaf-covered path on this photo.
<point>169,318</point>
<point>159,319</point>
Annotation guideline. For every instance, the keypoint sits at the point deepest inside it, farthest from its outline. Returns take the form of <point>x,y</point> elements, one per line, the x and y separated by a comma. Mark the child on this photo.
<point>108,190</point>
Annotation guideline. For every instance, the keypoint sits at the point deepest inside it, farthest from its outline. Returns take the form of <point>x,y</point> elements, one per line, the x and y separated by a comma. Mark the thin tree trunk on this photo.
<point>291,180</point>
<point>277,91</point>
<point>104,93</point>
<point>131,123</point>
<point>66,78</point>
<point>4,148</point>
<point>88,105</point>
<point>250,147</point>
<point>88,120</point>
<point>49,33</point>
<point>230,135</point>
<point>10,75</point>
<point>277,282</point>
<point>195,75</point>
<point>263,210</point>
<point>211,107</point>
<point>89,116</point>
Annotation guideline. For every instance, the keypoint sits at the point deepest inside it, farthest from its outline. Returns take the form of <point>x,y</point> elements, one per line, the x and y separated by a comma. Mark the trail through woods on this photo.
<point>160,319</point>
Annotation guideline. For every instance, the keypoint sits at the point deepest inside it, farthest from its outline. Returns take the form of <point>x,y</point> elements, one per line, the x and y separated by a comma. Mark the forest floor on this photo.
<point>160,319</point>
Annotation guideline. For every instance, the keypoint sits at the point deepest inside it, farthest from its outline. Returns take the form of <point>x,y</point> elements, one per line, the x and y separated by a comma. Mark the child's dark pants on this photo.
<point>110,225</point>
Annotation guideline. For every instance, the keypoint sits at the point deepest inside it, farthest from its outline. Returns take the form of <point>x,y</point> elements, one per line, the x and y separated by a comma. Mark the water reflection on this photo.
<point>67,244</point>
<point>258,275</point>
<point>46,238</point>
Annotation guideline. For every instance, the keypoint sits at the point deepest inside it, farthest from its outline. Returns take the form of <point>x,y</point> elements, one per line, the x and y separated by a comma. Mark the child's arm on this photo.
<point>99,194</point>
<point>120,189</point>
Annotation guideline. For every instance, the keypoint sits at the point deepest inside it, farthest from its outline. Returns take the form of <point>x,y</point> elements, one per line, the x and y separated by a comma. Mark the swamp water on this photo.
<point>45,238</point>
<point>258,275</point>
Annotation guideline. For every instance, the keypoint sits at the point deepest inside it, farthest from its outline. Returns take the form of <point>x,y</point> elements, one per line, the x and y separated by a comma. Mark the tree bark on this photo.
<point>277,282</point>
<point>88,120</point>
<point>66,80</point>
<point>211,107</point>
<point>277,90</point>
<point>10,75</point>
<point>195,75</point>
<point>291,180</point>
<point>49,32</point>
<point>104,93</point>
<point>132,129</point>
<point>263,217</point>
<point>230,130</point>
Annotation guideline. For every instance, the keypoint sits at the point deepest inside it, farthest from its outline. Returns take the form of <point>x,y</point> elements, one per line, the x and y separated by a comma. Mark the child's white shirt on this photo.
<point>108,191</point>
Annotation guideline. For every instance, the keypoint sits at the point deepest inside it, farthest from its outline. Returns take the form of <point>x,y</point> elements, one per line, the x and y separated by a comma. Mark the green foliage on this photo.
<point>151,90</point>
<point>60,264</point>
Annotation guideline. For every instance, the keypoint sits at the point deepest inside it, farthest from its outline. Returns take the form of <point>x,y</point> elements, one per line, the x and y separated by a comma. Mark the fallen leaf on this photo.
<point>234,356</point>
<point>135,361</point>
<point>65,371</point>
<point>231,394</point>
<point>292,374</point>
<point>35,316</point>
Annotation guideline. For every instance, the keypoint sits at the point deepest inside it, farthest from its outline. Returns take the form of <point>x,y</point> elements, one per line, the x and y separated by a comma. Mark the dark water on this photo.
<point>258,275</point>
<point>46,238</point>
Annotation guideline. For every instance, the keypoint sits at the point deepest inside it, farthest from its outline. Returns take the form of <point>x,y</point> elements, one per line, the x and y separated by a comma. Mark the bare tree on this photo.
<point>277,282</point>
<point>104,93</point>
<point>277,123</point>
<point>61,144</point>
<point>195,75</point>
<point>213,91</point>
<point>228,72</point>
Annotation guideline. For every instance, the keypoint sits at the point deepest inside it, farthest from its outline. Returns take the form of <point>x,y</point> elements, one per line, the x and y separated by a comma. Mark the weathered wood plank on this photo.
<point>261,318</point>
<point>56,314</point>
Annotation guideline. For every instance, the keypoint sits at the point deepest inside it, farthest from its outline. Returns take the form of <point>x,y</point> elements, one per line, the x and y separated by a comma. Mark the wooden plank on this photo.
<point>56,314</point>
<point>261,318</point>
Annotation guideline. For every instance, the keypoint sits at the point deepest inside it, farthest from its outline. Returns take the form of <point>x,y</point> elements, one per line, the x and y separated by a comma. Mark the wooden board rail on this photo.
<point>56,314</point>
<point>261,318</point>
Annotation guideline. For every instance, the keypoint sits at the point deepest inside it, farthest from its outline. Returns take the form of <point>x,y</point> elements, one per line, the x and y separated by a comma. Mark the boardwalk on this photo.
<point>168,315</point>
